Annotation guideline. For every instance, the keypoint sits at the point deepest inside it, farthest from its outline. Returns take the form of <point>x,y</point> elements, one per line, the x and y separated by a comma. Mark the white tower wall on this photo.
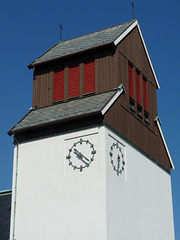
<point>54,201</point>
<point>139,204</point>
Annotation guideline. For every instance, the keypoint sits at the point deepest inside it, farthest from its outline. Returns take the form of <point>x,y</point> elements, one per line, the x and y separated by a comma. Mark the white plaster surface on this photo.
<point>56,202</point>
<point>140,206</point>
<point>52,204</point>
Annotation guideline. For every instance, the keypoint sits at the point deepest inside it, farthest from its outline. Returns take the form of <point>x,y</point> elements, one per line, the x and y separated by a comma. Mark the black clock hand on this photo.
<point>81,154</point>
<point>118,159</point>
<point>78,155</point>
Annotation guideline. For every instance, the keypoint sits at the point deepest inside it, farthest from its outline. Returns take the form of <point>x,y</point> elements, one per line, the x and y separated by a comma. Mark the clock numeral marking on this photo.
<point>68,156</point>
<point>93,152</point>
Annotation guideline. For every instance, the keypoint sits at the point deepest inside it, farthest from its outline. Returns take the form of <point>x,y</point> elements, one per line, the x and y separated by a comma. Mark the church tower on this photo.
<point>90,158</point>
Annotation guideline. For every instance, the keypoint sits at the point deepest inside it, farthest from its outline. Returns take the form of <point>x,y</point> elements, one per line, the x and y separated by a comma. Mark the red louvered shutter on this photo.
<point>58,84</point>
<point>138,88</point>
<point>89,76</point>
<point>74,81</point>
<point>145,95</point>
<point>131,81</point>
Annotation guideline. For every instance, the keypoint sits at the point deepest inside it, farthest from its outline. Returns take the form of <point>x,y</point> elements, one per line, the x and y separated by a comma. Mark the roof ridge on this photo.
<point>95,32</point>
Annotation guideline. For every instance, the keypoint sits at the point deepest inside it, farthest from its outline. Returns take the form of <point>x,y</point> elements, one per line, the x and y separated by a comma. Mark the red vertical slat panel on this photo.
<point>74,81</point>
<point>58,84</point>
<point>145,95</point>
<point>138,88</point>
<point>131,81</point>
<point>89,76</point>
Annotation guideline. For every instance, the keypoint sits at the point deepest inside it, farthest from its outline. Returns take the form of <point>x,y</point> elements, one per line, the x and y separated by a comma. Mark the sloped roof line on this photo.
<point>63,111</point>
<point>125,33</point>
<point>86,42</point>
<point>82,43</point>
<point>157,120</point>
<point>111,101</point>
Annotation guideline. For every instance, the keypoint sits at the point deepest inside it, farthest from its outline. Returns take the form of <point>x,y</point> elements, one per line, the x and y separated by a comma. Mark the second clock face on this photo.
<point>81,154</point>
<point>117,158</point>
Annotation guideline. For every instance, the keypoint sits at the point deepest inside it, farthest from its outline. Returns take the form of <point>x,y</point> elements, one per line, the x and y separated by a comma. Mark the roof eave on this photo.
<point>121,89</point>
<point>12,132</point>
<point>33,64</point>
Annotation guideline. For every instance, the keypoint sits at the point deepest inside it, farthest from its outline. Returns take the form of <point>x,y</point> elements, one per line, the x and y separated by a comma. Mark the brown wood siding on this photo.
<point>137,132</point>
<point>111,70</point>
<point>106,75</point>
<point>43,89</point>
<point>133,48</point>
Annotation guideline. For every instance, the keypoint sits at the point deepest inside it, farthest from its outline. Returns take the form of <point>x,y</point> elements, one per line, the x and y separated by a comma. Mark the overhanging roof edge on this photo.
<point>157,120</point>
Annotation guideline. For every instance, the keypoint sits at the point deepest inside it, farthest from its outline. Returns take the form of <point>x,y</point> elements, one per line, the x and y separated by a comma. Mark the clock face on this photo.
<point>117,158</point>
<point>81,154</point>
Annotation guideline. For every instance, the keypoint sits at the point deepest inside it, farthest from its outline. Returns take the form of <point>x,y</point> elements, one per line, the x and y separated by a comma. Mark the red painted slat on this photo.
<point>131,81</point>
<point>89,76</point>
<point>58,84</point>
<point>138,88</point>
<point>74,80</point>
<point>145,95</point>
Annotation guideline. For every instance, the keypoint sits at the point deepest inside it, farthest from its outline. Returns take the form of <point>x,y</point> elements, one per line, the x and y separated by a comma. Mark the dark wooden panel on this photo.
<point>135,130</point>
<point>51,88</point>
<point>43,88</point>
<point>133,48</point>
<point>106,72</point>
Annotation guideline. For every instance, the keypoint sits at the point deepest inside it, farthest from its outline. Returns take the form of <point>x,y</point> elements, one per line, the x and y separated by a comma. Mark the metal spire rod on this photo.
<point>132,10</point>
<point>61,28</point>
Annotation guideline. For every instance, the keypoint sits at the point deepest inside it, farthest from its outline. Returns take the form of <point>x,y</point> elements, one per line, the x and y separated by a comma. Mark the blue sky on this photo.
<point>29,28</point>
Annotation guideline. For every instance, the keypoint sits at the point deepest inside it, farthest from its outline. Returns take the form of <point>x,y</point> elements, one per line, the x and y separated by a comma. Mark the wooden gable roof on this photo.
<point>113,35</point>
